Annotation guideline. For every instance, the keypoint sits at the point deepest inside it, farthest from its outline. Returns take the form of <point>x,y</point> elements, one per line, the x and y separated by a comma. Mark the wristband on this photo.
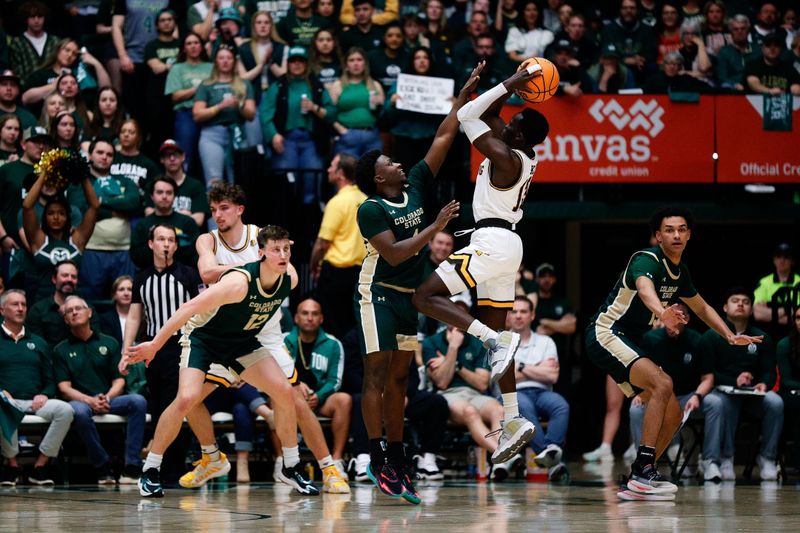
<point>699,396</point>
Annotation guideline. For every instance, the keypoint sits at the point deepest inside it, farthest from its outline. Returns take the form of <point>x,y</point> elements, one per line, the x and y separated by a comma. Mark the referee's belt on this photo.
<point>488,223</point>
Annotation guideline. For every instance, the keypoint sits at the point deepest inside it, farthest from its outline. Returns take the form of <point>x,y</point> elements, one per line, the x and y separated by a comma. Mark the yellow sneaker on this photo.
<point>333,481</point>
<point>204,471</point>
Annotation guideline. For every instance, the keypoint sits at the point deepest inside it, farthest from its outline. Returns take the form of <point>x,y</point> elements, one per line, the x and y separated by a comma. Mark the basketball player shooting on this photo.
<point>494,254</point>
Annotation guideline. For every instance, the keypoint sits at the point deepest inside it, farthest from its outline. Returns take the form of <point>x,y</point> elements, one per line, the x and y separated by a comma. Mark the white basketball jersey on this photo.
<point>244,251</point>
<point>492,202</point>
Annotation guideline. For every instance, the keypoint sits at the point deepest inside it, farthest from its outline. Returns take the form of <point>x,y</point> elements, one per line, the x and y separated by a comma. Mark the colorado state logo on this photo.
<point>641,115</point>
<point>31,346</point>
<point>103,350</point>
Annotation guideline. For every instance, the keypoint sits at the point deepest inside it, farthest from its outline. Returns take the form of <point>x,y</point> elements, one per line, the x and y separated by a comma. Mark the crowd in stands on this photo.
<point>164,97</point>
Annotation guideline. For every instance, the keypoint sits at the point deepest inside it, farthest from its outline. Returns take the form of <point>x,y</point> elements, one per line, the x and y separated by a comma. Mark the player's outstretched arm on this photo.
<point>708,315</point>
<point>448,129</point>
<point>207,265</point>
<point>230,289</point>
<point>671,316</point>
<point>395,252</point>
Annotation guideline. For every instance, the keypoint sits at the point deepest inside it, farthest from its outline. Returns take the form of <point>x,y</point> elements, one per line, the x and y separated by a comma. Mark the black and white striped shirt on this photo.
<point>162,293</point>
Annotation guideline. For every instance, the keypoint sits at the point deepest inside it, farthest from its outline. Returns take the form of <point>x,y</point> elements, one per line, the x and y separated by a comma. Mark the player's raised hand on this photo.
<point>448,213</point>
<point>145,351</point>
<point>744,340</point>
<point>520,79</point>
<point>472,83</point>
<point>672,317</point>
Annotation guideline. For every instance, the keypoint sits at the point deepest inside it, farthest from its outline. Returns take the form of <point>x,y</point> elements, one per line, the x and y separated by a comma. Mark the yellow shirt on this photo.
<point>340,227</point>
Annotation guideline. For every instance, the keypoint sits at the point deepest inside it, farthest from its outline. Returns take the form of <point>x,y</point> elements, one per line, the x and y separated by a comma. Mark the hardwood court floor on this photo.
<point>583,505</point>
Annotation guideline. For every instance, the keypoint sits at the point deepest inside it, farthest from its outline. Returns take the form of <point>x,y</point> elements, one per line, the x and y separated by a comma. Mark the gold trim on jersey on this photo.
<point>396,287</point>
<point>405,201</point>
<point>487,302</point>
<point>264,293</point>
<point>293,379</point>
<point>669,272</point>
<point>217,380</point>
<point>369,323</point>
<point>516,182</point>
<point>615,311</point>
<point>407,343</point>
<point>461,262</point>
<point>235,250</point>
<point>625,272</point>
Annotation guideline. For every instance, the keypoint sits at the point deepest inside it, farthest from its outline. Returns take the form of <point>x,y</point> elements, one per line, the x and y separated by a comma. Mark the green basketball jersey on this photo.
<point>624,312</point>
<point>242,320</point>
<point>404,216</point>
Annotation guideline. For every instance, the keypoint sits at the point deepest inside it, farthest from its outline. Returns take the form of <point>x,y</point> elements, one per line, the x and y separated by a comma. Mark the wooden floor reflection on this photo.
<point>586,504</point>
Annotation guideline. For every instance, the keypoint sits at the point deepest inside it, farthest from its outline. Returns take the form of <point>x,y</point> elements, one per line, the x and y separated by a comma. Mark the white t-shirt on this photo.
<point>37,42</point>
<point>538,349</point>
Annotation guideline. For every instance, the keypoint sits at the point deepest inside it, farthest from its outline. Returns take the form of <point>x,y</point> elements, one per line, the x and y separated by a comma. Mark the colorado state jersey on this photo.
<point>492,202</point>
<point>245,250</point>
<point>241,321</point>
<point>624,312</point>
<point>404,216</point>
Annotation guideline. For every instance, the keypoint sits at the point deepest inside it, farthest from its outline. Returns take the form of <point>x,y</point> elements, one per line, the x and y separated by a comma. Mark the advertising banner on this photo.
<point>623,139</point>
<point>747,152</point>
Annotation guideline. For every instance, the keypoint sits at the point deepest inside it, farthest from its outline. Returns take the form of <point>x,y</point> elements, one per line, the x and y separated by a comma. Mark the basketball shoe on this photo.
<point>292,475</point>
<point>410,493</point>
<point>427,467</point>
<point>333,481</point>
<point>549,457</point>
<point>514,435</point>
<point>204,471</point>
<point>649,481</point>
<point>150,484</point>
<point>501,353</point>
<point>388,480</point>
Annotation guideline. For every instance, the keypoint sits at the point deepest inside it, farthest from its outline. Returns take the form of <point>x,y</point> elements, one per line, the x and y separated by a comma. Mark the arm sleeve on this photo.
<point>266,112</point>
<point>202,93</point>
<point>333,377</point>
<point>371,220</point>
<point>128,201</point>
<point>550,350</point>
<point>173,82</point>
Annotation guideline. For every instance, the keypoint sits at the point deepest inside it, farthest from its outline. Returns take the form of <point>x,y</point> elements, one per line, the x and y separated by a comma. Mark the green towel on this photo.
<point>10,417</point>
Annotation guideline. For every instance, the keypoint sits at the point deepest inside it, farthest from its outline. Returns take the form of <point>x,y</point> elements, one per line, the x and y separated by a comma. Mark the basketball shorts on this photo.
<point>490,262</point>
<point>386,319</point>
<point>614,353</point>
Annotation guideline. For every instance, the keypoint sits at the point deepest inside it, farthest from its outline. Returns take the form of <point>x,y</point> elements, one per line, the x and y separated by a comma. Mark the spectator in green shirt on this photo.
<point>300,24</point>
<point>191,196</point>
<point>222,103</point>
<point>129,161</point>
<point>783,276</point>
<point>190,69</point>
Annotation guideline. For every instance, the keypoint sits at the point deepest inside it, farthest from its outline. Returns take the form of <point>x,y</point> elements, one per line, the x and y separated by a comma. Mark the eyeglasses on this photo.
<point>75,309</point>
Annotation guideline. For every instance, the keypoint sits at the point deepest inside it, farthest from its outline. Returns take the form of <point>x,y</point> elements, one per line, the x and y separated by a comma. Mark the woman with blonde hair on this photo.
<point>358,99</point>
<point>53,105</point>
<point>222,104</point>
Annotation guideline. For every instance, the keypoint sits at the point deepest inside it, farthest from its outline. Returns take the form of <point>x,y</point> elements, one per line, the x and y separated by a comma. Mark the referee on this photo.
<point>158,292</point>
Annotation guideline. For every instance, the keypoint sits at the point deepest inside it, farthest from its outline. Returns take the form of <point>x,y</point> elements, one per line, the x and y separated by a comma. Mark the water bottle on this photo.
<point>304,97</point>
<point>472,463</point>
<point>372,104</point>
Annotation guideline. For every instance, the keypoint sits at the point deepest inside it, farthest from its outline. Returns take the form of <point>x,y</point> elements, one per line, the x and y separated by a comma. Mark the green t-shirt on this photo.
<point>470,354</point>
<point>624,312</point>
<point>385,69</point>
<point>186,76</point>
<point>165,51</point>
<point>300,32</point>
<point>370,40</point>
<point>214,93</point>
<point>353,109</point>
<point>680,357</point>
<point>12,176</point>
<point>729,361</point>
<point>91,365</point>
<point>404,216</point>
<point>139,168</point>
<point>26,367</point>
<point>191,196</point>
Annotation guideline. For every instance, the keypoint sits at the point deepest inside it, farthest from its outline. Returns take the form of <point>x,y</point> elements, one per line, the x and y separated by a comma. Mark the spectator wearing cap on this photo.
<point>733,57</point>
<point>191,68</point>
<point>382,14</point>
<point>586,50</point>
<point>385,63</point>
<point>295,113</point>
<point>228,30</point>
<point>573,79</point>
<point>363,33</point>
<point>129,161</point>
<point>767,22</point>
<point>52,237</point>
<point>190,198</point>
<point>35,140</point>
<point>9,93</point>
<point>160,54</point>
<point>635,41</point>
<point>131,29</point>
<point>222,104</point>
<point>162,193</point>
<point>28,51</point>
<point>301,23</point>
<point>528,38</point>
<point>555,317</point>
<point>673,78</point>
<point>784,275</point>
<point>609,74</point>
<point>769,74</point>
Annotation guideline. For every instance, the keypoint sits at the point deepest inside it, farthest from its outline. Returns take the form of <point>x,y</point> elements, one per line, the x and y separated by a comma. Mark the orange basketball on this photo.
<point>541,87</point>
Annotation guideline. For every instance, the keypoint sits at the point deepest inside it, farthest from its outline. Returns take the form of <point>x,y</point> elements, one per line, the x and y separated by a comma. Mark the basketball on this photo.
<point>541,87</point>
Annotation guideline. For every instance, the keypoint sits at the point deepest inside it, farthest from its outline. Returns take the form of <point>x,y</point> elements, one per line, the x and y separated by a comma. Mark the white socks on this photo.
<point>326,461</point>
<point>510,407</point>
<point>153,461</point>
<point>291,456</point>
<point>212,450</point>
<point>481,331</point>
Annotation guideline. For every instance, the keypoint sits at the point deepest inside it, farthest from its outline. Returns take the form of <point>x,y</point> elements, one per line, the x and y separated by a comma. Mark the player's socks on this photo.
<point>395,453</point>
<point>325,462</point>
<point>153,461</point>
<point>510,406</point>
<point>291,456</point>
<point>483,332</point>
<point>645,456</point>
<point>212,450</point>
<point>377,453</point>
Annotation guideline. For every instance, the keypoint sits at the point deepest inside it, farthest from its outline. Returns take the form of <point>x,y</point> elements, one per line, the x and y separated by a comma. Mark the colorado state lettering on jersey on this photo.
<point>411,219</point>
